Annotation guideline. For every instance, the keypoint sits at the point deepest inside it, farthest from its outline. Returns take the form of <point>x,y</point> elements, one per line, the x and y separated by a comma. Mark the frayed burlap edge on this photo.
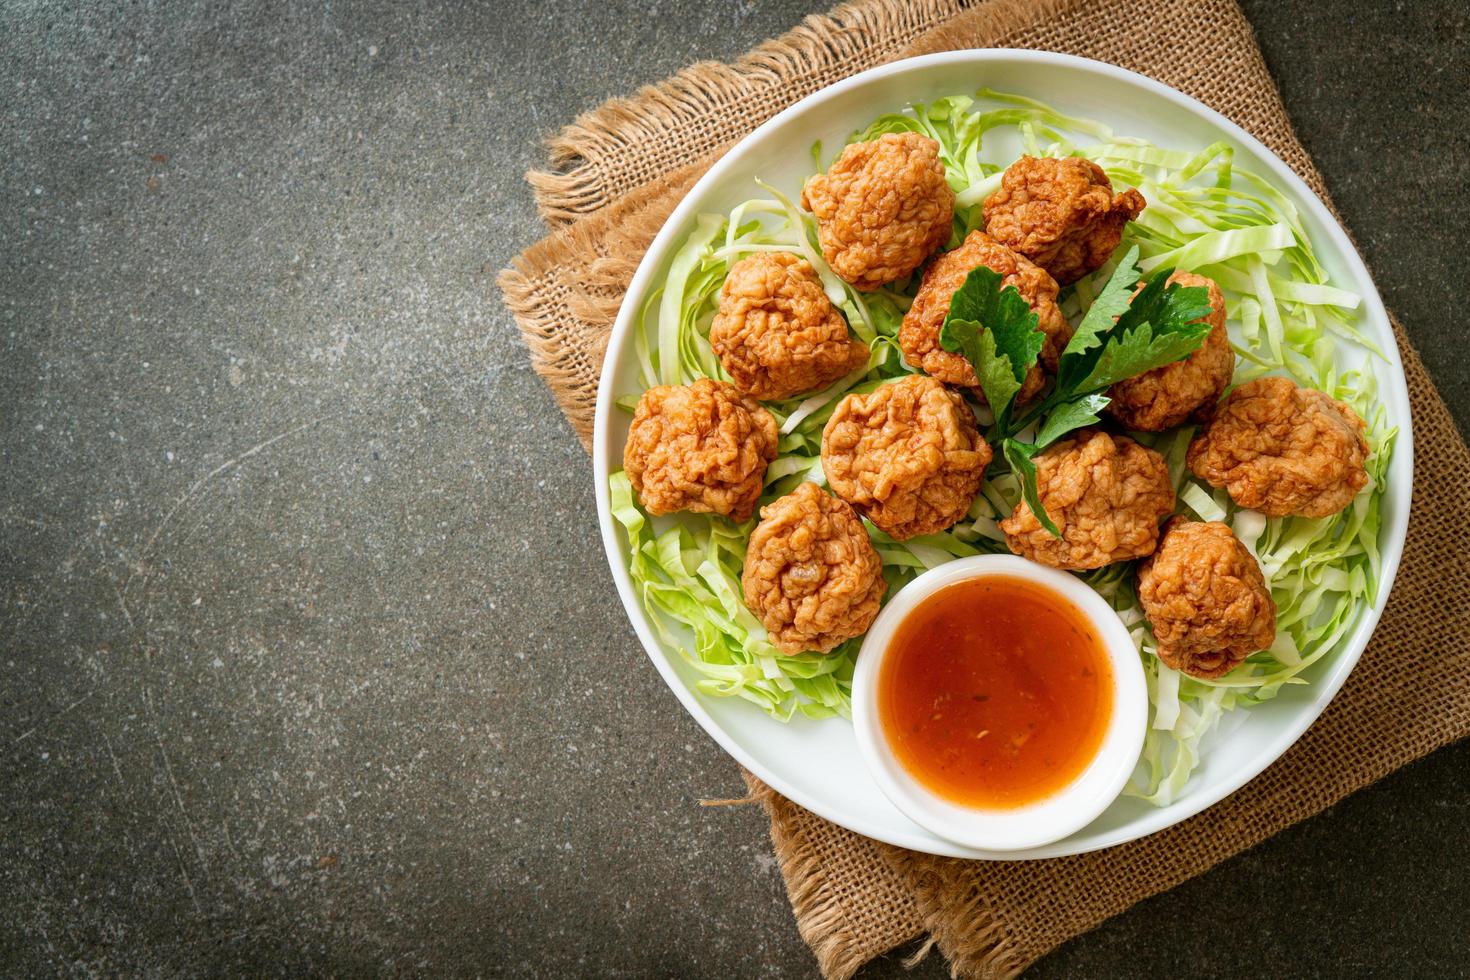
<point>972,939</point>
<point>566,327</point>
<point>848,39</point>
<point>842,937</point>
<point>588,164</point>
<point>565,305</point>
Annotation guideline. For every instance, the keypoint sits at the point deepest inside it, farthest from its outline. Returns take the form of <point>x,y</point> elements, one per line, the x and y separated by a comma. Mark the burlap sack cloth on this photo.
<point>613,177</point>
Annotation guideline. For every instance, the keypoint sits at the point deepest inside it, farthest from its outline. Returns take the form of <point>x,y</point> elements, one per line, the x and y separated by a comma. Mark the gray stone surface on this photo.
<point>311,663</point>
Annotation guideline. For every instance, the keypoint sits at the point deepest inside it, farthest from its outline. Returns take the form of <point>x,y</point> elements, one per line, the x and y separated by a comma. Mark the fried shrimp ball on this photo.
<point>811,574</point>
<point>907,456</point>
<point>702,448</point>
<point>777,333</point>
<point>1171,395</point>
<point>1061,214</point>
<point>1283,450</point>
<point>881,208</point>
<point>1206,599</point>
<point>1106,494</point>
<point>918,336</point>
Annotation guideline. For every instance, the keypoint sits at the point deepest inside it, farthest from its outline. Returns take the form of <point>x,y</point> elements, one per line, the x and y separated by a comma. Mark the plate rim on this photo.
<point>1163,817</point>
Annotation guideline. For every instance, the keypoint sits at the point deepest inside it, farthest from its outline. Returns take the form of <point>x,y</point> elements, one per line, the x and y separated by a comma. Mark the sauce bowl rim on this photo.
<point>1056,815</point>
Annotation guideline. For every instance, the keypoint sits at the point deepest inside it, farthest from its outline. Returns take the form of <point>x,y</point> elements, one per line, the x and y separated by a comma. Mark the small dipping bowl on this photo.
<point>1068,808</point>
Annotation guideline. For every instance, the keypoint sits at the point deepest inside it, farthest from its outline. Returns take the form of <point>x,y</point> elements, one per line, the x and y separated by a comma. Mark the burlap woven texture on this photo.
<point>616,174</point>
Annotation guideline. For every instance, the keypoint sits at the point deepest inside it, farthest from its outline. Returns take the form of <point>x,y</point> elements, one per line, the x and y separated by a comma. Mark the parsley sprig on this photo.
<point>996,331</point>
<point>1118,338</point>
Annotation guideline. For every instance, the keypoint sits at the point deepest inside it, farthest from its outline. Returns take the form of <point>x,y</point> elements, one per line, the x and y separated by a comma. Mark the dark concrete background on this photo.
<point>311,664</point>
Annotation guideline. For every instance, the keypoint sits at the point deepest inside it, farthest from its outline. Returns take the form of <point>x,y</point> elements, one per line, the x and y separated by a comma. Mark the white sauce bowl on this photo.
<point>1055,816</point>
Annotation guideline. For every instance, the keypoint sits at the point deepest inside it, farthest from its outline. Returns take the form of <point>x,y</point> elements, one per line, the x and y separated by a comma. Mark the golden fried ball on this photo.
<point>1061,214</point>
<point>777,333</point>
<point>907,456</point>
<point>1205,597</point>
<point>1173,394</point>
<point>1281,449</point>
<point>1105,493</point>
<point>811,574</point>
<point>881,208</point>
<point>918,336</point>
<point>702,448</point>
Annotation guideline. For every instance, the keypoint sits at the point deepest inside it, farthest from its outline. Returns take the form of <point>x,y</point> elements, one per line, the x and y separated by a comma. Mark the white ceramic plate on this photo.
<point>816,763</point>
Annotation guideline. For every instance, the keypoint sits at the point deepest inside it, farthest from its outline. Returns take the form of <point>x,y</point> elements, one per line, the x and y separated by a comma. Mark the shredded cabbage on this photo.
<point>1203,214</point>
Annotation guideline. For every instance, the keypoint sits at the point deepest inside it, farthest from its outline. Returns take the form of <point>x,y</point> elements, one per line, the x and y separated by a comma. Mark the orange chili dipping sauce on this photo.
<point>995,692</point>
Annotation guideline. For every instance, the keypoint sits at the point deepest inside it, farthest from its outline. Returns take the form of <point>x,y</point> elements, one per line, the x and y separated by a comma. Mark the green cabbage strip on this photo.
<point>689,576</point>
<point>1204,215</point>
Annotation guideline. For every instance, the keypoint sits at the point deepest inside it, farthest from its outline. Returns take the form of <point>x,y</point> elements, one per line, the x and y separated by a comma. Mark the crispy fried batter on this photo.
<point>702,448</point>
<point>881,208</point>
<point>1060,213</point>
<point>1205,597</point>
<point>777,333</point>
<point>811,574</point>
<point>919,334</point>
<point>1106,494</point>
<point>1171,395</point>
<point>907,456</point>
<point>1281,449</point>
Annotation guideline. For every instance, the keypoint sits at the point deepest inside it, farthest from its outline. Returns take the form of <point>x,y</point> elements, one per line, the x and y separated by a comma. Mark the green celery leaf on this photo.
<point>1019,455</point>
<point>996,331</point>
<point>1144,349</point>
<point>997,377</point>
<point>1110,304</point>
<point>1071,415</point>
<point>1164,323</point>
<point>1165,308</point>
<point>1168,306</point>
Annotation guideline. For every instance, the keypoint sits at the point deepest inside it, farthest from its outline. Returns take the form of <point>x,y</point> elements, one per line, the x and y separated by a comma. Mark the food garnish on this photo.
<point>1116,340</point>
<point>918,334</point>
<point>1186,390</point>
<point>996,331</point>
